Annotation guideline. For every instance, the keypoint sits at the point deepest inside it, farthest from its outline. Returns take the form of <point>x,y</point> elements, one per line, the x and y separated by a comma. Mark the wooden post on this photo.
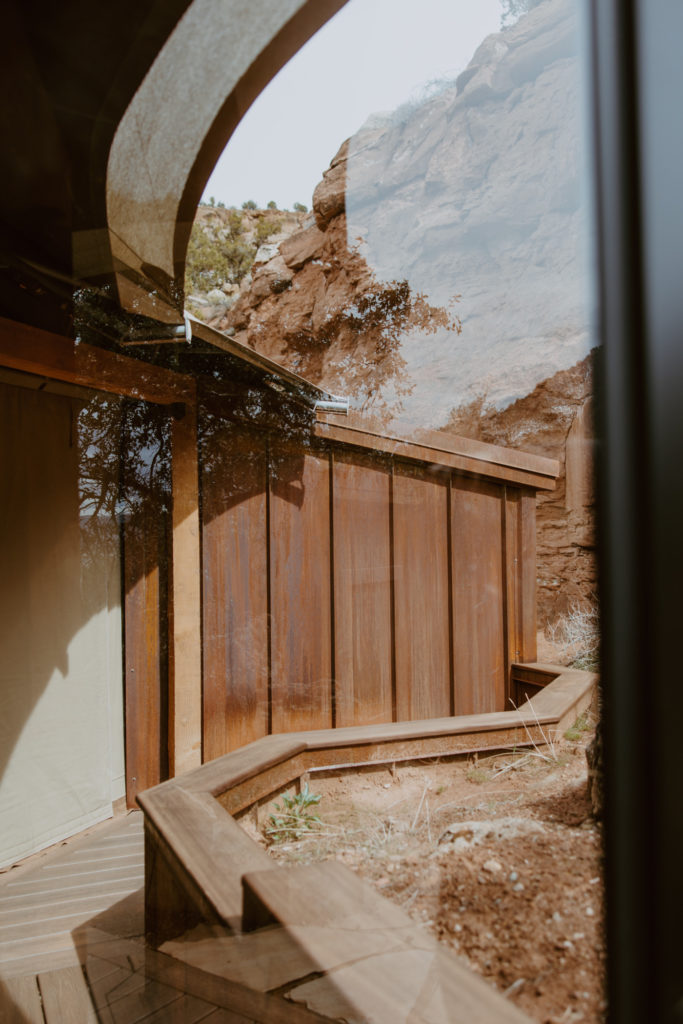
<point>527,570</point>
<point>185,668</point>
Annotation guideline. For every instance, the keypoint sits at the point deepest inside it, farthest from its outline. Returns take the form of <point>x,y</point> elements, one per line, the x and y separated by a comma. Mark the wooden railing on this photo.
<point>201,867</point>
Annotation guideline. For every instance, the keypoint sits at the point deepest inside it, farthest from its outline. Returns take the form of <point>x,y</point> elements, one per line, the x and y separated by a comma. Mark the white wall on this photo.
<point>61,691</point>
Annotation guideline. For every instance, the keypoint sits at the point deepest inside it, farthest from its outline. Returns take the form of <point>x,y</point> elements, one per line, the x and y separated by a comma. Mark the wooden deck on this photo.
<point>71,947</point>
<point>97,875</point>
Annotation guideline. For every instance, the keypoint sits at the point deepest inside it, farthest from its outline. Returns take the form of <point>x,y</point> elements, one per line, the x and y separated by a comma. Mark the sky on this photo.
<point>371,57</point>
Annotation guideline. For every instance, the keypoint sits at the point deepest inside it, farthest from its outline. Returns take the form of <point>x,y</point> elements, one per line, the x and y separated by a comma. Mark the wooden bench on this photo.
<point>375,962</point>
<point>200,866</point>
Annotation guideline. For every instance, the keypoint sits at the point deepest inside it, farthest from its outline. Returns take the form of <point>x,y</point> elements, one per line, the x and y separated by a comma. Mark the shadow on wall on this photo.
<point>61,520</point>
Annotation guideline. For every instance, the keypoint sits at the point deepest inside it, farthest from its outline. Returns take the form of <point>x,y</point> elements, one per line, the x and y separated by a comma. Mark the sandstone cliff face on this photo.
<point>474,200</point>
<point>556,420</point>
<point>442,276</point>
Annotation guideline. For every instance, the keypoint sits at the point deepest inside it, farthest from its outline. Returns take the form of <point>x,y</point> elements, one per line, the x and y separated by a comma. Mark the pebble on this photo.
<point>518,887</point>
<point>589,911</point>
<point>492,866</point>
<point>513,876</point>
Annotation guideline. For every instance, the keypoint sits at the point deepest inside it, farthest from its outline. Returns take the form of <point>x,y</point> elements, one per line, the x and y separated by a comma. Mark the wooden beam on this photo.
<point>444,451</point>
<point>185,675</point>
<point>31,350</point>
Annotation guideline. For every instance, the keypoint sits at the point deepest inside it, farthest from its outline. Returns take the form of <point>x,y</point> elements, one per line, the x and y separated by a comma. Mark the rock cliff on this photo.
<point>556,420</point>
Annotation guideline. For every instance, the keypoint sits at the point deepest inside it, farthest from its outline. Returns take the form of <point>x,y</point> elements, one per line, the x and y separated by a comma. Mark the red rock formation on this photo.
<point>554,420</point>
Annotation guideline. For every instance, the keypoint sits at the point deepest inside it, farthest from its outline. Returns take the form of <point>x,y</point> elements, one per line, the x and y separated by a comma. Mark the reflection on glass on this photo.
<point>250,565</point>
<point>473,195</point>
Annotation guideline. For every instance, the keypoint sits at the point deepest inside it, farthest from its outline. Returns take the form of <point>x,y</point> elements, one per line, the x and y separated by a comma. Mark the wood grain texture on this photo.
<point>421,579</point>
<point>185,640</point>
<point>144,605</point>
<point>526,615</point>
<point>382,966</point>
<point>20,1001</point>
<point>232,996</point>
<point>478,595</point>
<point>362,590</point>
<point>460,454</point>
<point>187,836</point>
<point>235,587</point>
<point>27,348</point>
<point>65,996</point>
<point>262,960</point>
<point>512,586</point>
<point>301,635</point>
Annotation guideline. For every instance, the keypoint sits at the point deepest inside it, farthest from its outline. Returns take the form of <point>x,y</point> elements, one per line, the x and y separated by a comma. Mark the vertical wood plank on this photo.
<point>301,655</point>
<point>65,996</point>
<point>145,579</point>
<point>527,569</point>
<point>420,509</point>
<point>478,596</point>
<point>362,590</point>
<point>142,658</point>
<point>235,587</point>
<point>185,647</point>
<point>20,1001</point>
<point>513,647</point>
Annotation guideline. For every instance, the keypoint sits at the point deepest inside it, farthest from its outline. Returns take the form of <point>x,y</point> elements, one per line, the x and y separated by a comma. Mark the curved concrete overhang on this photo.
<point>220,56</point>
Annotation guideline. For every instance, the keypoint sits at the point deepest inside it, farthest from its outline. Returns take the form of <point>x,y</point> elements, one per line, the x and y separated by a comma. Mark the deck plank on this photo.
<point>261,1007</point>
<point>20,1001</point>
<point>65,997</point>
<point>141,1002</point>
<point>184,1010</point>
<point>262,960</point>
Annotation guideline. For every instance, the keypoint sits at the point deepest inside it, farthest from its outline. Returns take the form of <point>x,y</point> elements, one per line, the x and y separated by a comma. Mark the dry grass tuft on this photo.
<point>577,633</point>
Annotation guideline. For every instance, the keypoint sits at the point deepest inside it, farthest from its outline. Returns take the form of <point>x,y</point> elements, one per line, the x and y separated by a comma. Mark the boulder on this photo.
<point>330,195</point>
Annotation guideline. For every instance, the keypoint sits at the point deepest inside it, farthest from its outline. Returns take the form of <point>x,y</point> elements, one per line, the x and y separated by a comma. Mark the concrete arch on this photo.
<point>219,57</point>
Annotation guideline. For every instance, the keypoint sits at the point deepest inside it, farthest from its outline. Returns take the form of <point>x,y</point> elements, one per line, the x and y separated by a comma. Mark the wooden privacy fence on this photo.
<point>352,579</point>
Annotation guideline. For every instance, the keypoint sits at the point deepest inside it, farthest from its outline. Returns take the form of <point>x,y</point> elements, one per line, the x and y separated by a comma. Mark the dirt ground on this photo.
<point>498,857</point>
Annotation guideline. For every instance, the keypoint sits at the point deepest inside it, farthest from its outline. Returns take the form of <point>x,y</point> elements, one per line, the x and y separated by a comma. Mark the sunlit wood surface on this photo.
<point>72,952</point>
<point>43,901</point>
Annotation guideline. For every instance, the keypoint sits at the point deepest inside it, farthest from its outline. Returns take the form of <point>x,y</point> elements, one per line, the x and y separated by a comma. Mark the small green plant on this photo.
<point>272,205</point>
<point>212,260</point>
<point>477,776</point>
<point>300,208</point>
<point>575,731</point>
<point>292,819</point>
<point>249,204</point>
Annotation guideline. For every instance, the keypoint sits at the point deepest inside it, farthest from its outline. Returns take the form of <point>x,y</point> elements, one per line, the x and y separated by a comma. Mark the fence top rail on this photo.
<point>566,693</point>
<point>446,451</point>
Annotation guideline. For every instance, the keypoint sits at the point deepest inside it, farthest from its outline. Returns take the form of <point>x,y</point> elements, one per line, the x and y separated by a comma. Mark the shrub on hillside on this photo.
<point>265,228</point>
<point>211,261</point>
